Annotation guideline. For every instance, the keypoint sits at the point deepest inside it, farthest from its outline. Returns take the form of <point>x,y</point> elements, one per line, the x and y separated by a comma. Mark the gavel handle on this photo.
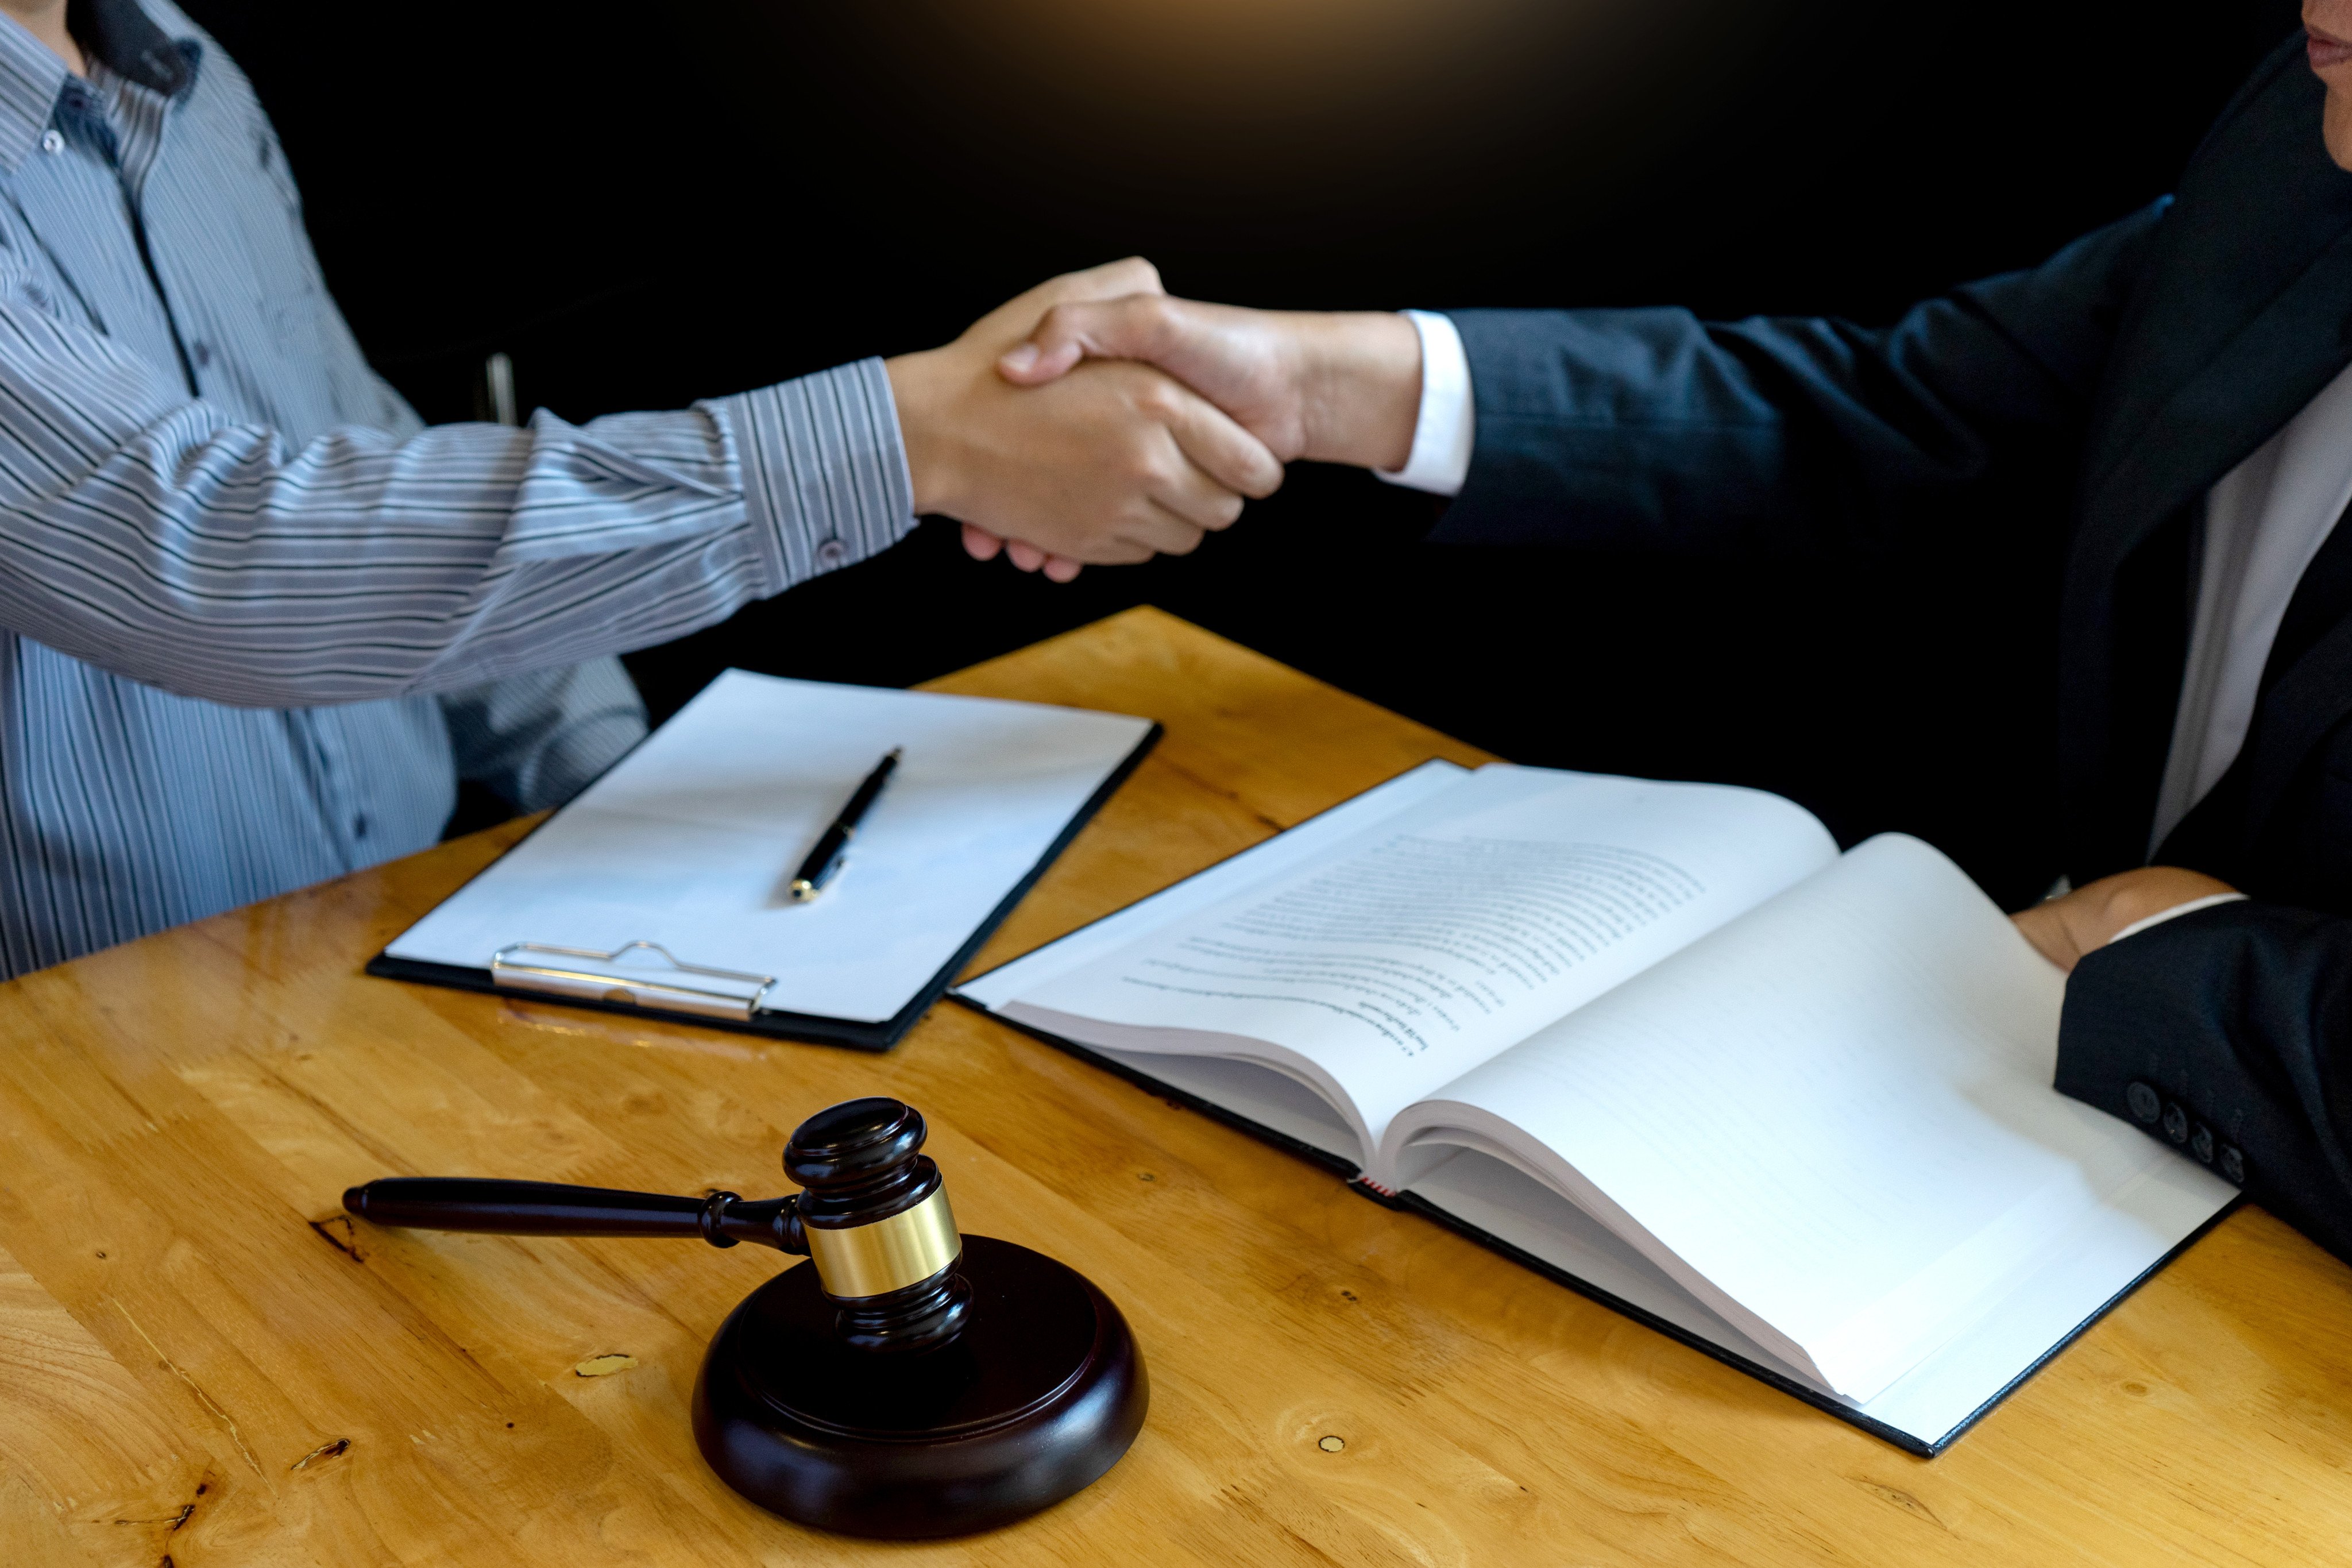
<point>549,1209</point>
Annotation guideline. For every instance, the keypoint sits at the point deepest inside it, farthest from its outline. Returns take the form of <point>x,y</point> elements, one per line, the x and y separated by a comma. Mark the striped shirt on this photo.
<point>255,618</point>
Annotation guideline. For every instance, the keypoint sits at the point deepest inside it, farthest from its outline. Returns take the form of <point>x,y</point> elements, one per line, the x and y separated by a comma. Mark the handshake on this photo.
<point>1097,419</point>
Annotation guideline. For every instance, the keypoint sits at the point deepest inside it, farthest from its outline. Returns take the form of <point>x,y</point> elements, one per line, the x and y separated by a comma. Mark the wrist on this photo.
<point>2156,889</point>
<point>920,387</point>
<point>1358,376</point>
<point>2115,904</point>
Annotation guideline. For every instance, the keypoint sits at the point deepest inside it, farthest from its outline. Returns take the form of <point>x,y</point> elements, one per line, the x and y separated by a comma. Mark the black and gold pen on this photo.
<point>826,858</point>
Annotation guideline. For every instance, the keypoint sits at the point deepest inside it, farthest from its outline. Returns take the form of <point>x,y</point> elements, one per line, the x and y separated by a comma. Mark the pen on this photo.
<point>826,858</point>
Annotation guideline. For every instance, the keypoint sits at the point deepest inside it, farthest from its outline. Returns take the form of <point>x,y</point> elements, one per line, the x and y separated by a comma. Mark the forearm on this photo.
<point>146,534</point>
<point>1652,429</point>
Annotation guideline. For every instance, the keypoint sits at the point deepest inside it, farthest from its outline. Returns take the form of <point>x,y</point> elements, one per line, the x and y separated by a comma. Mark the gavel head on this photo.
<point>876,1217</point>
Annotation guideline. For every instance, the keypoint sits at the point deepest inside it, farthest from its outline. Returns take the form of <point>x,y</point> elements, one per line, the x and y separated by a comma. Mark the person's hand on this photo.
<point>1331,388</point>
<point>982,545</point>
<point>1116,463</point>
<point>1113,280</point>
<point>2066,929</point>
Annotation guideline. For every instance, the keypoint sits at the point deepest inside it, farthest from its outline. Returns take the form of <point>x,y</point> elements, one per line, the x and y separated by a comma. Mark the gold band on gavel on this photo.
<point>869,1259</point>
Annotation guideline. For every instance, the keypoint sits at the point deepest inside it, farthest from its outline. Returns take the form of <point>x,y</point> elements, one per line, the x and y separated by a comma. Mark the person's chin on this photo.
<point>2336,127</point>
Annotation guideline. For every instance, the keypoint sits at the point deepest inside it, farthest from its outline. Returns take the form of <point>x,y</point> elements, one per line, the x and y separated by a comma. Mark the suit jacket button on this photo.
<point>2233,1164</point>
<point>2144,1107</point>
<point>2175,1123</point>
<point>2201,1142</point>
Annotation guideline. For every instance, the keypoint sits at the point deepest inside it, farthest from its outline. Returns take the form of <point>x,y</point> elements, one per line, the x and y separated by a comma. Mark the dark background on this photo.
<point>642,205</point>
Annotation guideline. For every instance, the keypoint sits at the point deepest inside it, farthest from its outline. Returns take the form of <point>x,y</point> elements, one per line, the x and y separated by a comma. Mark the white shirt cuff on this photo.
<point>2158,919</point>
<point>1448,422</point>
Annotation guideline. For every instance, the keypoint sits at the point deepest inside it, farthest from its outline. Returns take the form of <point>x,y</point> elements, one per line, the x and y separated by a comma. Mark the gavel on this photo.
<point>908,1381</point>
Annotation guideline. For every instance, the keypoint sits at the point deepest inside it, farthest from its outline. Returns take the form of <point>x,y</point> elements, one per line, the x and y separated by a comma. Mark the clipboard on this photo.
<point>1060,764</point>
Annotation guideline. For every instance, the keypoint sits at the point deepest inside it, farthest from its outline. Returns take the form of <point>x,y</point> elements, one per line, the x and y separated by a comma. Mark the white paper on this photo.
<point>1383,966</point>
<point>2089,1270</point>
<point>1259,863</point>
<point>1254,1092</point>
<point>1831,1122</point>
<point>1488,1191</point>
<point>691,840</point>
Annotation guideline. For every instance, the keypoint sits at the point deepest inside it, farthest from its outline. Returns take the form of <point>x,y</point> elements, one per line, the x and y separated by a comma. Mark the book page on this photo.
<point>1285,852</point>
<point>1256,1093</point>
<point>1831,1121</point>
<point>1401,957</point>
<point>2113,1251</point>
<point>689,841</point>
<point>1488,1191</point>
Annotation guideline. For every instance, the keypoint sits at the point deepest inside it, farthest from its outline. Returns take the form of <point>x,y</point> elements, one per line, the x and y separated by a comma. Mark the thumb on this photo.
<point>1026,364</point>
<point>1129,328</point>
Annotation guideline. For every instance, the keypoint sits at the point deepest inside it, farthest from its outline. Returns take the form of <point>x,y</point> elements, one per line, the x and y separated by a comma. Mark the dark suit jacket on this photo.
<point>2084,407</point>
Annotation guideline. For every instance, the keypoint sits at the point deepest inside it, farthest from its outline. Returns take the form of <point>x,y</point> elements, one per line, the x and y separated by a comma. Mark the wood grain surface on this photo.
<point>201,1361</point>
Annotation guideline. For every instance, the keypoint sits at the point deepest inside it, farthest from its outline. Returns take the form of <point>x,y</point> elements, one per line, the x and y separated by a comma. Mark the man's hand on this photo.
<point>2066,929</point>
<point>1114,463</point>
<point>1335,388</point>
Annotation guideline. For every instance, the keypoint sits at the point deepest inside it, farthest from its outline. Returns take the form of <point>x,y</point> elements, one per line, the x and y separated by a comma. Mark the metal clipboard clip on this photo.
<point>631,987</point>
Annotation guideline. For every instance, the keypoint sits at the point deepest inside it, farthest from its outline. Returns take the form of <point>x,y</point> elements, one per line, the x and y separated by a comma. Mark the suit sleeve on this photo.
<point>1652,429</point>
<point>2235,1023</point>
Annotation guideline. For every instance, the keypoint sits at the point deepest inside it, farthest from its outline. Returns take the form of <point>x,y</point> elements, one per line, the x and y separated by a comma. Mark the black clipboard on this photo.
<point>563,975</point>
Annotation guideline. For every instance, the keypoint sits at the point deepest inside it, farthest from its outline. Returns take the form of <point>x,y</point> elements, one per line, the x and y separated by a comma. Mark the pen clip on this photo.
<point>620,984</point>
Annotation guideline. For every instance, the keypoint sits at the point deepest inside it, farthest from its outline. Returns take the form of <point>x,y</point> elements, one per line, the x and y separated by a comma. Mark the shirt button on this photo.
<point>53,141</point>
<point>2176,1124</point>
<point>202,352</point>
<point>2200,1144</point>
<point>2233,1163</point>
<point>2145,1105</point>
<point>832,553</point>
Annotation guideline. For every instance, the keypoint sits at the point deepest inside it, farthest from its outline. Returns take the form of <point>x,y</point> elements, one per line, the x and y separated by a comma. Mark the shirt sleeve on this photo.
<point>1447,424</point>
<point>148,533</point>
<point>2150,923</point>
<point>540,737</point>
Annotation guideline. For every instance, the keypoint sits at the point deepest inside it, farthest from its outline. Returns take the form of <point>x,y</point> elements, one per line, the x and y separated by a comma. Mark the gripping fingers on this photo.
<point>1221,448</point>
<point>981,544</point>
<point>1165,531</point>
<point>1178,488</point>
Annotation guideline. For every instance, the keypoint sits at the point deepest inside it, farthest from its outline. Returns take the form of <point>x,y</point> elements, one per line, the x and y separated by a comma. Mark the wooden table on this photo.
<point>201,1360</point>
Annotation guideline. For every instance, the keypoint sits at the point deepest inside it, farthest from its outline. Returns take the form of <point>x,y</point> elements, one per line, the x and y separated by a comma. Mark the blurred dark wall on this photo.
<point>643,205</point>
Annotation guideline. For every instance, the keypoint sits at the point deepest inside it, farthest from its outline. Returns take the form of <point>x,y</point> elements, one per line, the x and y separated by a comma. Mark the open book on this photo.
<point>1665,1042</point>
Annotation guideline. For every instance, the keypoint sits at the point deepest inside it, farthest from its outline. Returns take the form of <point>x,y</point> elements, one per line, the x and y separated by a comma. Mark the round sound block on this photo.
<point>1038,1396</point>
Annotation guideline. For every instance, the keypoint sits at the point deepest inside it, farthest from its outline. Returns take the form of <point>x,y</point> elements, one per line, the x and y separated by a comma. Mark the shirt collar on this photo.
<point>118,32</point>
<point>121,33</point>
